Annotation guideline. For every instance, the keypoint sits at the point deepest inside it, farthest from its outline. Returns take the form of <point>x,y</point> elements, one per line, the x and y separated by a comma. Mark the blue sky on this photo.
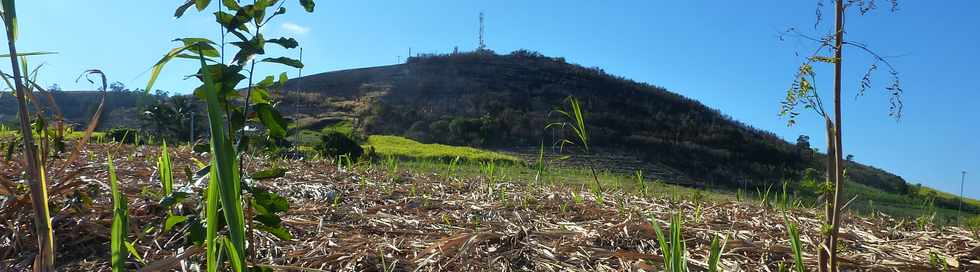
<point>723,53</point>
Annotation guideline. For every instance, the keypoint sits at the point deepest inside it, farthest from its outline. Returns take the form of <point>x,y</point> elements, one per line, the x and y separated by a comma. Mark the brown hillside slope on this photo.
<point>504,101</point>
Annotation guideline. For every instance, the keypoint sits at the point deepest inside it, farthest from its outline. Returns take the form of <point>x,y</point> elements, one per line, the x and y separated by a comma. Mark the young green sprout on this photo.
<point>166,172</point>
<point>641,183</point>
<point>120,218</point>
<point>674,249</point>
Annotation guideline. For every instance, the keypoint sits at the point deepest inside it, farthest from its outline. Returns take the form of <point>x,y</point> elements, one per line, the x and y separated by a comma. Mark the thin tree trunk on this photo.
<point>839,165</point>
<point>39,197</point>
<point>824,256</point>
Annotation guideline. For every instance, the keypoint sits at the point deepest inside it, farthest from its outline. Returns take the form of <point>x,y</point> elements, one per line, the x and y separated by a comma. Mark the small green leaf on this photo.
<point>823,59</point>
<point>255,46</point>
<point>285,61</point>
<point>242,16</point>
<point>132,251</point>
<point>307,4</point>
<point>231,4</point>
<point>266,82</point>
<point>172,221</point>
<point>172,199</point>
<point>229,22</point>
<point>278,231</point>
<point>202,4</point>
<point>268,219</point>
<point>259,96</point>
<point>287,43</point>
<point>196,232</point>
<point>183,8</point>
<point>271,120</point>
<point>268,202</point>
<point>158,67</point>
<point>282,80</point>
<point>270,173</point>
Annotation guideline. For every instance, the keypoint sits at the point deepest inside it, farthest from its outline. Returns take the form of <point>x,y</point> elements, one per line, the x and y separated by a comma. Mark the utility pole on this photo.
<point>960,208</point>
<point>301,61</point>
<point>192,127</point>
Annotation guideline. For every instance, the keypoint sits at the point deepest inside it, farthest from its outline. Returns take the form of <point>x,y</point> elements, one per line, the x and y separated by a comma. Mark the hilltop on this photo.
<point>503,102</point>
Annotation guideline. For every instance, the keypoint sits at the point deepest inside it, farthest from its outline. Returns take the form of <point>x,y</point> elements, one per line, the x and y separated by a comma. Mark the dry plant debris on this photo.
<point>365,219</point>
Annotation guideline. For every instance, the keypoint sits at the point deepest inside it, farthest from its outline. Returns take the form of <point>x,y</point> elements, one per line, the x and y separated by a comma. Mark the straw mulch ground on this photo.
<point>368,220</point>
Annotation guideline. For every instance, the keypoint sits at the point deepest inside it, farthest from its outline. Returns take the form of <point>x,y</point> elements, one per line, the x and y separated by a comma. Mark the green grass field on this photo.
<point>433,158</point>
<point>8,133</point>
<point>406,148</point>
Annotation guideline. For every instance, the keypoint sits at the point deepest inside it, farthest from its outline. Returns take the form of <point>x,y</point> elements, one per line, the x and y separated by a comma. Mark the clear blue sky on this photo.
<point>723,53</point>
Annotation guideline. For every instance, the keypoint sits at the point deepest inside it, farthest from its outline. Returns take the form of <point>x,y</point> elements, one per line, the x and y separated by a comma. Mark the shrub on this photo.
<point>335,143</point>
<point>123,135</point>
<point>973,224</point>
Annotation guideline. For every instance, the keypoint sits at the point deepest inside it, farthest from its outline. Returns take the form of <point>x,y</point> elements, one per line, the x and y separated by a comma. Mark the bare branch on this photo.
<point>895,88</point>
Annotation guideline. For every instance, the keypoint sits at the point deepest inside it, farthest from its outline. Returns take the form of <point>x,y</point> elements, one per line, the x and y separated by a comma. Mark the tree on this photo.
<point>117,87</point>
<point>803,142</point>
<point>803,91</point>
<point>850,158</point>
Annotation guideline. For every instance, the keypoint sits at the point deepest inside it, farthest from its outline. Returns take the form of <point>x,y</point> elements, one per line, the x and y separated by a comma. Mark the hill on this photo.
<point>503,102</point>
<point>121,107</point>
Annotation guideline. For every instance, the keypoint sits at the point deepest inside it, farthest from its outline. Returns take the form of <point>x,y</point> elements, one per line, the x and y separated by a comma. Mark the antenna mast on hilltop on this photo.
<point>483,45</point>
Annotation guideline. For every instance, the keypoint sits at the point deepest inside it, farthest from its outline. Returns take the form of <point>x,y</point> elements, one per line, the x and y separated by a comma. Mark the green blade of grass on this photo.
<point>662,242</point>
<point>211,239</point>
<point>715,254</point>
<point>677,250</point>
<point>120,219</point>
<point>794,241</point>
<point>166,172</point>
<point>225,165</point>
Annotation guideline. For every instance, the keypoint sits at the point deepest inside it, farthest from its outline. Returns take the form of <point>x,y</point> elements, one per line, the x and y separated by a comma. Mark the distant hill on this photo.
<point>503,102</point>
<point>121,107</point>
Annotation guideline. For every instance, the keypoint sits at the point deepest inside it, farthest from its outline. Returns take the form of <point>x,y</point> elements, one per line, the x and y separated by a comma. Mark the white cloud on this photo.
<point>294,28</point>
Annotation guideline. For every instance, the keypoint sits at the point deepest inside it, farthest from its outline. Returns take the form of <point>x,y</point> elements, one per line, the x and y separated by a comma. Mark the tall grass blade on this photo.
<point>225,166</point>
<point>166,172</point>
<point>674,249</point>
<point>796,246</point>
<point>677,256</point>
<point>211,239</point>
<point>120,219</point>
<point>540,165</point>
<point>715,254</point>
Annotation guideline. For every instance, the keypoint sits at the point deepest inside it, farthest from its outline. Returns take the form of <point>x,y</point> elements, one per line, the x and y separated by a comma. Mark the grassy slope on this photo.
<point>406,148</point>
<point>434,158</point>
<point>430,158</point>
